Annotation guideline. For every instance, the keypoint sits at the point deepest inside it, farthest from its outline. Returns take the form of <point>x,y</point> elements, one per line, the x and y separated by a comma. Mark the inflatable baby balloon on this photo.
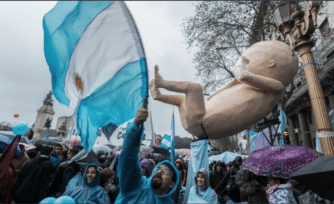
<point>261,74</point>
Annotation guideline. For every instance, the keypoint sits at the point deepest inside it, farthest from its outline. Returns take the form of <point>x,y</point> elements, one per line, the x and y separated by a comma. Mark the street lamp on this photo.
<point>298,28</point>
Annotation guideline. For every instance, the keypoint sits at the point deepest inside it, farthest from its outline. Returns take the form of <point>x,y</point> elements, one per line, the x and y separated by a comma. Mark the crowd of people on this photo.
<point>45,174</point>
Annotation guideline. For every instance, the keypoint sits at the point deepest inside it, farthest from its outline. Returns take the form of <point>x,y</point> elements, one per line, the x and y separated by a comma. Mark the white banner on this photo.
<point>118,135</point>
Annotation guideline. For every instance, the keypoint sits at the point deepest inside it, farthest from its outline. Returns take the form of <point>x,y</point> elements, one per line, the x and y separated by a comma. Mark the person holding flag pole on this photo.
<point>134,187</point>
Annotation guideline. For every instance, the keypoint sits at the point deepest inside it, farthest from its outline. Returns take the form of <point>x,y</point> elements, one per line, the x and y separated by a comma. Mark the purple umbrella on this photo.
<point>279,161</point>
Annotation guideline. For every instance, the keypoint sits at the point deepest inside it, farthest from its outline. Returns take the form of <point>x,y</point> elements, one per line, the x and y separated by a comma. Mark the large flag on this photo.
<point>97,63</point>
<point>172,149</point>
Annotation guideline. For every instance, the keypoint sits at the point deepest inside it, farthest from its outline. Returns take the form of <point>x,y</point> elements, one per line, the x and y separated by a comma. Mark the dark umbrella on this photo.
<point>279,161</point>
<point>214,153</point>
<point>22,140</point>
<point>47,142</point>
<point>160,150</point>
<point>318,176</point>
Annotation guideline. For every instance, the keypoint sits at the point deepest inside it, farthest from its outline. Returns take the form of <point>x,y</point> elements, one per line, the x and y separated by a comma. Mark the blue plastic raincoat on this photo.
<point>206,194</point>
<point>89,193</point>
<point>134,187</point>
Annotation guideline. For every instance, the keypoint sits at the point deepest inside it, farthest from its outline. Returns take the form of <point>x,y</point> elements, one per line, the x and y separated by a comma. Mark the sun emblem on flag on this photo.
<point>79,84</point>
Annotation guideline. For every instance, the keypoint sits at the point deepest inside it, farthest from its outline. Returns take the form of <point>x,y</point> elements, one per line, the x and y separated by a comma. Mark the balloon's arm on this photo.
<point>230,84</point>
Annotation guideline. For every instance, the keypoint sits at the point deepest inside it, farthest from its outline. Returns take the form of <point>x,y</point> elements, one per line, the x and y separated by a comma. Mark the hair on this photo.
<point>59,145</point>
<point>172,170</point>
<point>39,147</point>
<point>31,153</point>
<point>281,180</point>
<point>64,154</point>
<point>74,151</point>
<point>220,163</point>
<point>105,174</point>
<point>46,150</point>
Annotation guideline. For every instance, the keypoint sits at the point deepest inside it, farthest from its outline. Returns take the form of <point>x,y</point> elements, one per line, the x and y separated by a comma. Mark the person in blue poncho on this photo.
<point>202,192</point>
<point>89,191</point>
<point>134,187</point>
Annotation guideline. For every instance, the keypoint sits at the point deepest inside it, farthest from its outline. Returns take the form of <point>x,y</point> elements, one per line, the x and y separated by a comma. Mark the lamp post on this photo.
<point>298,28</point>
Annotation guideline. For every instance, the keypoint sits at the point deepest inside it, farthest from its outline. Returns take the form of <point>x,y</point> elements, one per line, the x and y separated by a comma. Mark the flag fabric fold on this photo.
<point>97,63</point>
<point>283,125</point>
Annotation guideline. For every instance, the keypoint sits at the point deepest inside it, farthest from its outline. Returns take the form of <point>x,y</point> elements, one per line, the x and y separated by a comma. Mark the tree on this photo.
<point>221,31</point>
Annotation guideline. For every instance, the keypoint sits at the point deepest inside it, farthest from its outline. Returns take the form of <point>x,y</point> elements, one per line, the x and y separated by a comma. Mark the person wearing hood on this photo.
<point>180,165</point>
<point>279,191</point>
<point>32,183</point>
<point>254,187</point>
<point>218,180</point>
<point>89,191</point>
<point>134,187</point>
<point>146,167</point>
<point>20,161</point>
<point>232,187</point>
<point>202,192</point>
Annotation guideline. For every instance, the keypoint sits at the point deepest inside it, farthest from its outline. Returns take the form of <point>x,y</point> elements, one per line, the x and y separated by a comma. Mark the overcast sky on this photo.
<point>25,77</point>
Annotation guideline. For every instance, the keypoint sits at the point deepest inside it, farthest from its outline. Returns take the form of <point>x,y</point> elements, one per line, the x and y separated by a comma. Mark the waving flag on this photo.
<point>166,141</point>
<point>172,150</point>
<point>97,63</point>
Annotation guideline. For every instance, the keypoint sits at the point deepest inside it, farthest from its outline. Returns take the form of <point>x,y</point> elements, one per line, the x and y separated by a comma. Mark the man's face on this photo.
<point>219,168</point>
<point>58,150</point>
<point>162,178</point>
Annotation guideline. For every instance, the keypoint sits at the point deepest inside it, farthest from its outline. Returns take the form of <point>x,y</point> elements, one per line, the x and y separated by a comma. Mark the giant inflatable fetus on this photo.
<point>261,74</point>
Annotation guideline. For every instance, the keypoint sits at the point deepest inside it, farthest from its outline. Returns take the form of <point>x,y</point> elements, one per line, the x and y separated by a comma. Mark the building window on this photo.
<point>324,28</point>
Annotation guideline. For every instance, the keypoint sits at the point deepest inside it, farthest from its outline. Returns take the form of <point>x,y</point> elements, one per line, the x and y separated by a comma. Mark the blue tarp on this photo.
<point>225,157</point>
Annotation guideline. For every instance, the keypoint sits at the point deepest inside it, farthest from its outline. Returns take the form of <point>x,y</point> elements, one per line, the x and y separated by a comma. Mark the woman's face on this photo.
<point>272,181</point>
<point>91,174</point>
<point>111,179</point>
<point>143,171</point>
<point>200,179</point>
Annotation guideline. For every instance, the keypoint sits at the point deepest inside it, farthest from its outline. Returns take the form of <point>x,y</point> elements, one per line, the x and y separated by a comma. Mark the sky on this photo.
<point>25,78</point>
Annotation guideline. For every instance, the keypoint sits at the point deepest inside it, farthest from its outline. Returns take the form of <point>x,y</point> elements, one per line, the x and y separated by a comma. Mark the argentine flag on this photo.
<point>97,63</point>
<point>166,141</point>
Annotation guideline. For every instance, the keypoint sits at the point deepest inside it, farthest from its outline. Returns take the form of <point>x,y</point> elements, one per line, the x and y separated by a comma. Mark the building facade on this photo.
<point>302,128</point>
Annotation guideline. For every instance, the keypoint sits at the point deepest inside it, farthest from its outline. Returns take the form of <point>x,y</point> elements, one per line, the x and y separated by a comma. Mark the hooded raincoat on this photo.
<point>134,187</point>
<point>89,193</point>
<point>205,194</point>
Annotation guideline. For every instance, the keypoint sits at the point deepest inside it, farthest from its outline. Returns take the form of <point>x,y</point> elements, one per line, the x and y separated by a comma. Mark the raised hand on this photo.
<point>142,113</point>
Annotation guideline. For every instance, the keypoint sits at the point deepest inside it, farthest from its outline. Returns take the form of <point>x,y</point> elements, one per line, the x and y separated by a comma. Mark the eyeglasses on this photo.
<point>164,170</point>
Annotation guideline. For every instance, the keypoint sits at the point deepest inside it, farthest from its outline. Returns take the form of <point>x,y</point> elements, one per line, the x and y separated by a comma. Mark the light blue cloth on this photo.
<point>89,193</point>
<point>206,194</point>
<point>134,187</point>
<point>283,125</point>
<point>198,160</point>
<point>74,182</point>
<point>97,63</point>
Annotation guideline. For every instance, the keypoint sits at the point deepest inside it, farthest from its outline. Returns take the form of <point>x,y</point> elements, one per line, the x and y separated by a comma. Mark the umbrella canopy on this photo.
<point>52,138</point>
<point>225,157</point>
<point>4,144</point>
<point>103,148</point>
<point>47,142</point>
<point>71,142</point>
<point>279,161</point>
<point>160,150</point>
<point>144,151</point>
<point>12,136</point>
<point>318,176</point>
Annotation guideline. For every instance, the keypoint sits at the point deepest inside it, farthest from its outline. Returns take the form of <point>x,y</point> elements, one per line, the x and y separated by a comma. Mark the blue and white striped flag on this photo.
<point>283,125</point>
<point>166,141</point>
<point>97,63</point>
<point>172,150</point>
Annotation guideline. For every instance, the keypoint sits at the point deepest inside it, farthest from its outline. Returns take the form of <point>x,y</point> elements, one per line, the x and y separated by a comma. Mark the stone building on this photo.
<point>302,128</point>
<point>44,116</point>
